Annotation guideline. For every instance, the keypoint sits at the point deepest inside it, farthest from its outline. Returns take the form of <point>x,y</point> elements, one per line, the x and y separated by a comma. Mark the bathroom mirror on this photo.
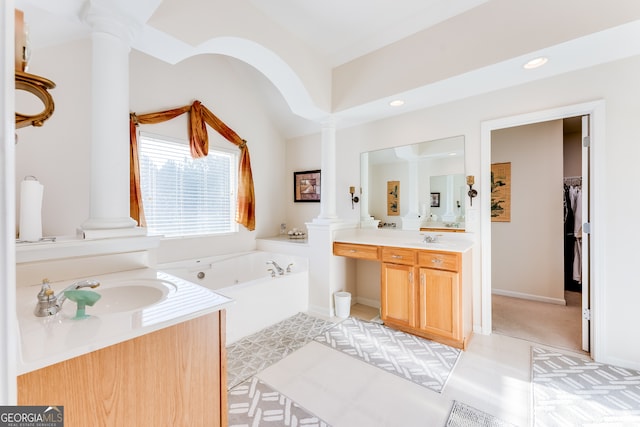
<point>414,186</point>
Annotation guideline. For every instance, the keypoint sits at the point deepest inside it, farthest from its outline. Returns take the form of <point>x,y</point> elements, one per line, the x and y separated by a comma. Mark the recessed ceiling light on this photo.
<point>535,63</point>
<point>396,103</point>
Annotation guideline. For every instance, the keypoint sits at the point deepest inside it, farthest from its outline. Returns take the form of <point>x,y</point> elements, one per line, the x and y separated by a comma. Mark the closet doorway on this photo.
<point>541,286</point>
<point>536,277</point>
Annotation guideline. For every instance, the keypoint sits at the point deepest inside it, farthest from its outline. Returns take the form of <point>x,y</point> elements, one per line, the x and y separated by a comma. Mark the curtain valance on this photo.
<point>199,118</point>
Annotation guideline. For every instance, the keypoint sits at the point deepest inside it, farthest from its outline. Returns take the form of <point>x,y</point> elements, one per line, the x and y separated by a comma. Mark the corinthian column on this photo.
<point>328,173</point>
<point>111,38</point>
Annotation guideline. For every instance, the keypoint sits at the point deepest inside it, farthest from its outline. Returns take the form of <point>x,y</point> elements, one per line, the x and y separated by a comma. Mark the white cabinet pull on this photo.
<point>353,251</point>
<point>436,261</point>
<point>396,256</point>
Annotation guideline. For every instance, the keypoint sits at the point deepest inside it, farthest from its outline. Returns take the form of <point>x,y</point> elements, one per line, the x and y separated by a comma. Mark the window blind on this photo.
<point>183,196</point>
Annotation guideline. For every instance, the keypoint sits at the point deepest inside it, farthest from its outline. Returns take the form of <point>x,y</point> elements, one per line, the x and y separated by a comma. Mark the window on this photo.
<point>183,196</point>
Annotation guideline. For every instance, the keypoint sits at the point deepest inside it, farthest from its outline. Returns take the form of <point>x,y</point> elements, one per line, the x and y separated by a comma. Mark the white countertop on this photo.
<point>48,340</point>
<point>446,242</point>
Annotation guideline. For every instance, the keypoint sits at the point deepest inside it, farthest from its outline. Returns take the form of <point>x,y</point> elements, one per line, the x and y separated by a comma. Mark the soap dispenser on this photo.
<point>47,300</point>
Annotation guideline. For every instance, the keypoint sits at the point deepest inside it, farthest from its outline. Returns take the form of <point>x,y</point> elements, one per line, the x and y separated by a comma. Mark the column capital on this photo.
<point>329,122</point>
<point>106,17</point>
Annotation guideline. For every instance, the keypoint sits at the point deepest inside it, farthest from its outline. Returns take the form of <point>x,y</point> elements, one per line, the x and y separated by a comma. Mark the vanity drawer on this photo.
<point>352,250</point>
<point>398,255</point>
<point>439,260</point>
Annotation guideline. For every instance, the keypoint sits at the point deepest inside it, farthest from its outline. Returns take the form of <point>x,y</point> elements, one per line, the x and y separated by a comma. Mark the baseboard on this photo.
<point>321,311</point>
<point>368,302</point>
<point>559,301</point>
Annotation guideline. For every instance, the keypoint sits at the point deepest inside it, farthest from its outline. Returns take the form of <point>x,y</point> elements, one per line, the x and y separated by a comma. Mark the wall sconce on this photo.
<point>354,199</point>
<point>472,193</point>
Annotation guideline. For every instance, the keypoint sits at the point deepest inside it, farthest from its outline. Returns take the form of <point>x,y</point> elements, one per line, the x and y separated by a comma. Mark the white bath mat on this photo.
<point>254,403</point>
<point>421,361</point>
<point>250,355</point>
<point>576,391</point>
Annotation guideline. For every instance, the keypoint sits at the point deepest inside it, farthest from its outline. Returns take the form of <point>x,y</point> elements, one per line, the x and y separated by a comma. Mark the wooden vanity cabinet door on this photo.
<point>174,376</point>
<point>399,292</point>
<point>439,303</point>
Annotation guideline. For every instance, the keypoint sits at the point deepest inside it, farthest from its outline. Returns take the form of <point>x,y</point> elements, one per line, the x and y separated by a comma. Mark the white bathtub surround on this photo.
<point>259,299</point>
<point>45,341</point>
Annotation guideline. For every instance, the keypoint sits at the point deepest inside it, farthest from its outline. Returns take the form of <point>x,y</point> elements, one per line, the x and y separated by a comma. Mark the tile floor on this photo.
<point>493,375</point>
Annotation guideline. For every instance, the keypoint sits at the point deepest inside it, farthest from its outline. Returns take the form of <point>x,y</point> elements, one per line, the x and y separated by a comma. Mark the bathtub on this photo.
<point>260,299</point>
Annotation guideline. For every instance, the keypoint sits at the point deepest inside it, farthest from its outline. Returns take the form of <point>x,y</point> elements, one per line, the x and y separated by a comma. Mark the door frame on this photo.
<point>596,110</point>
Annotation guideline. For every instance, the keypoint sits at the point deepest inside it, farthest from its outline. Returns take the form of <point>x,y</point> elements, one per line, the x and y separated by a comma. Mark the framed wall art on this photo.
<point>435,200</point>
<point>393,198</point>
<point>306,186</point>
<point>501,192</point>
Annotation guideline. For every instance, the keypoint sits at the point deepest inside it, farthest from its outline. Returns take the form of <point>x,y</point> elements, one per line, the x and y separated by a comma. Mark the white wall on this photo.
<point>617,84</point>
<point>528,251</point>
<point>58,153</point>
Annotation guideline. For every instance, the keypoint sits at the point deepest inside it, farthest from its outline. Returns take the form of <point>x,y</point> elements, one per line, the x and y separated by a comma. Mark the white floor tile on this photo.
<point>493,375</point>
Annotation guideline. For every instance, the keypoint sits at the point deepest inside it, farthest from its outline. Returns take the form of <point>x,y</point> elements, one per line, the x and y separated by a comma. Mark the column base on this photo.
<point>105,228</point>
<point>108,223</point>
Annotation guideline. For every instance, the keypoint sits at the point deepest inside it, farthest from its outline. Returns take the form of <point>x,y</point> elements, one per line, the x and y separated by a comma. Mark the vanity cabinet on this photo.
<point>423,292</point>
<point>398,288</point>
<point>356,251</point>
<point>439,295</point>
<point>174,376</point>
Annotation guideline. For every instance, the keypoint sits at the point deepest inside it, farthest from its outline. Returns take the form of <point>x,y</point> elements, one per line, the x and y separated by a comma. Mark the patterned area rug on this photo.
<point>258,351</point>
<point>463,415</point>
<point>575,391</point>
<point>418,360</point>
<point>253,403</point>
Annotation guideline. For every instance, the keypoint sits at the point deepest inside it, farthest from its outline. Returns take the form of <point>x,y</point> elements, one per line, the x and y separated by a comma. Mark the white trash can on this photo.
<point>343,304</point>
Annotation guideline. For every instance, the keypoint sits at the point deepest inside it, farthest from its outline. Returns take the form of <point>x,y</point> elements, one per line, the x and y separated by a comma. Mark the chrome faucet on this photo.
<point>277,267</point>
<point>49,304</point>
<point>430,238</point>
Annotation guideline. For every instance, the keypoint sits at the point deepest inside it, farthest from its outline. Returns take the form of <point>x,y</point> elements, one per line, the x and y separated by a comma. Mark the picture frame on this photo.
<point>501,192</point>
<point>435,200</point>
<point>306,186</point>
<point>393,198</point>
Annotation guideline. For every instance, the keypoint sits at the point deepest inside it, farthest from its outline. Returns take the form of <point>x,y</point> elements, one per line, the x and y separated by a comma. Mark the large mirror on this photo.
<point>413,187</point>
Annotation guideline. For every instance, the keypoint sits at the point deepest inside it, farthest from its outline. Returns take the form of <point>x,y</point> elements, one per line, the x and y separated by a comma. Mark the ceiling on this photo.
<point>344,33</point>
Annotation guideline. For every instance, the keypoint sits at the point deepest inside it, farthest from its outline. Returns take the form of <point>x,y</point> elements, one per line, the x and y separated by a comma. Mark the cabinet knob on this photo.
<point>396,256</point>
<point>353,251</point>
<point>436,261</point>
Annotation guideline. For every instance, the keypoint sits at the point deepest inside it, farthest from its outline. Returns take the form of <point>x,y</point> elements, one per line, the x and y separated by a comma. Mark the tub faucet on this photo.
<point>50,304</point>
<point>277,267</point>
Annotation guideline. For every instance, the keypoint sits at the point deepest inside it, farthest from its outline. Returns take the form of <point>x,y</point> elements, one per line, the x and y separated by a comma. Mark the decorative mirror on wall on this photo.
<point>431,175</point>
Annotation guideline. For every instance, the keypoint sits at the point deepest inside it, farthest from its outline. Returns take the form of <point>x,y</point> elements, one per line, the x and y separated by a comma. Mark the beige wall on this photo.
<point>58,153</point>
<point>573,154</point>
<point>616,84</point>
<point>527,252</point>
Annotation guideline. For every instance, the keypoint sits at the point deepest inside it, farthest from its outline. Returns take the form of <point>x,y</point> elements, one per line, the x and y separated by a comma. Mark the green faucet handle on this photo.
<point>82,299</point>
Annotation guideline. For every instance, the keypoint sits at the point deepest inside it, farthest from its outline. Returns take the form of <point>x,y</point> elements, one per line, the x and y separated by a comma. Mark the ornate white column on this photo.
<point>449,214</point>
<point>328,173</point>
<point>111,38</point>
<point>412,220</point>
